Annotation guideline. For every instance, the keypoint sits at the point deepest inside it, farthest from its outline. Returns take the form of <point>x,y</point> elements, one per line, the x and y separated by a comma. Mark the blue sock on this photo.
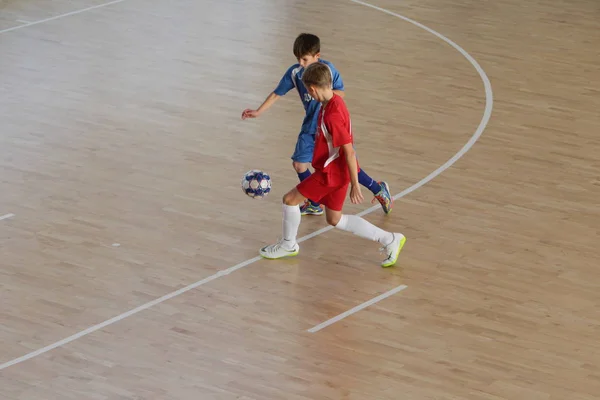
<point>302,176</point>
<point>368,182</point>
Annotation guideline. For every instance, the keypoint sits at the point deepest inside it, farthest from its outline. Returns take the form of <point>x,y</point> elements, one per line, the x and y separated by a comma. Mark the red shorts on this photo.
<point>314,188</point>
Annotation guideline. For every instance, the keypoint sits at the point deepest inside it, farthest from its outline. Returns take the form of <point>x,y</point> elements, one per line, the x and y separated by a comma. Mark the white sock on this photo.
<point>291,222</point>
<point>363,228</point>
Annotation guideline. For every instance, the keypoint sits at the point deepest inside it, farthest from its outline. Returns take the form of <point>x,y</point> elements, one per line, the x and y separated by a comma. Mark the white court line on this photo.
<point>438,171</point>
<point>6,216</point>
<point>484,121</point>
<point>359,307</point>
<point>14,28</point>
<point>128,313</point>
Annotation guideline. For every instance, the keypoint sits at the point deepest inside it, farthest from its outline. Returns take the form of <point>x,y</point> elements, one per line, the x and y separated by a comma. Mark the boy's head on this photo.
<point>307,49</point>
<point>318,81</point>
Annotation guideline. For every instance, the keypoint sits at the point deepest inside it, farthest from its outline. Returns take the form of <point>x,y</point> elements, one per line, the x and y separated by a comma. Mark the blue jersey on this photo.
<point>293,79</point>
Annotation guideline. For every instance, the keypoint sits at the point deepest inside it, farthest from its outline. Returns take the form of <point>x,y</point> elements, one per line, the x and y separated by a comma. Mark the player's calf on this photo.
<point>392,242</point>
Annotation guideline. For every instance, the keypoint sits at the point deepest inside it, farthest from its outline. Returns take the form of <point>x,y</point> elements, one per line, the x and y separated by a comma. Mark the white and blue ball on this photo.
<point>256,184</point>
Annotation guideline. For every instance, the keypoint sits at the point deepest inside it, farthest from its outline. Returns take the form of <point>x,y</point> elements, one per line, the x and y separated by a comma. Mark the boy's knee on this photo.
<point>291,198</point>
<point>333,218</point>
<point>300,167</point>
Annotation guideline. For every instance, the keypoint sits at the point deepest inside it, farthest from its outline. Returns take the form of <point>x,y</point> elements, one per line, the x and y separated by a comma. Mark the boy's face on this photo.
<point>308,59</point>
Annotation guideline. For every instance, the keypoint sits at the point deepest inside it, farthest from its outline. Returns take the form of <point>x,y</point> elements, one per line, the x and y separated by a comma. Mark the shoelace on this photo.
<point>279,244</point>
<point>385,251</point>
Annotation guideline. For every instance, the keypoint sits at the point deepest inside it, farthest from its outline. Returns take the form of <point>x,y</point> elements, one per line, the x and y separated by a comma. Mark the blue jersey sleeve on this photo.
<point>286,83</point>
<point>338,83</point>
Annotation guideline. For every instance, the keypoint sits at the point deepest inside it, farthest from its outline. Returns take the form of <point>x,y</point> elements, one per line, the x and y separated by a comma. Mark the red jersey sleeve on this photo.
<point>337,123</point>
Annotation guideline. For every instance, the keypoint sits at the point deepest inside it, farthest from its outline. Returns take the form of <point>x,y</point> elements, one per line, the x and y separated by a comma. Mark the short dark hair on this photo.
<point>317,74</point>
<point>307,43</point>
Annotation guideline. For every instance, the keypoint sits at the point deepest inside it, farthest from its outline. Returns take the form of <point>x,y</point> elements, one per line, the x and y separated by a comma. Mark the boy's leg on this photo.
<point>301,169</point>
<point>287,246</point>
<point>302,158</point>
<point>392,242</point>
<point>311,187</point>
<point>380,190</point>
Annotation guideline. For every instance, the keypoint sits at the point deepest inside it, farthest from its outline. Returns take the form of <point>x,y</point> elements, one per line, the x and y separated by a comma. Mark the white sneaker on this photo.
<point>392,250</point>
<point>279,250</point>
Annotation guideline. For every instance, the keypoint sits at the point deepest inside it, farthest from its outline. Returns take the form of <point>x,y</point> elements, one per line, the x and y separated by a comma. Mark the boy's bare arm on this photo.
<point>340,93</point>
<point>355,193</point>
<point>269,101</point>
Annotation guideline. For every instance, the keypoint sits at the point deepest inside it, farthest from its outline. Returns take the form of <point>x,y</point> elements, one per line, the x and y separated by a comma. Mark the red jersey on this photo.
<point>334,129</point>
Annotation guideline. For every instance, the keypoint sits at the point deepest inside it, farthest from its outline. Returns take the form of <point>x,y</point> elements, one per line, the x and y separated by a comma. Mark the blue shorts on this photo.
<point>305,146</point>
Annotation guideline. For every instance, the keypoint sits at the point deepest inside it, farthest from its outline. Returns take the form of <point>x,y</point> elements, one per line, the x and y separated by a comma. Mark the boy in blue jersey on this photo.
<point>307,49</point>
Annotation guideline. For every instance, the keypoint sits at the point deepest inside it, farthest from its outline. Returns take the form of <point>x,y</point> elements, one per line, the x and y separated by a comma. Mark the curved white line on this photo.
<point>489,101</point>
<point>446,165</point>
<point>7,216</point>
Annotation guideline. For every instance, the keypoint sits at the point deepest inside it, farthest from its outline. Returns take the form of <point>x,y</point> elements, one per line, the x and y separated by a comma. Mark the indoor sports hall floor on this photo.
<point>128,252</point>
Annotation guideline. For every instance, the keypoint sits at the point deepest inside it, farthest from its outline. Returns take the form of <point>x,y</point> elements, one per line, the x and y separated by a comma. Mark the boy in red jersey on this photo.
<point>307,50</point>
<point>335,168</point>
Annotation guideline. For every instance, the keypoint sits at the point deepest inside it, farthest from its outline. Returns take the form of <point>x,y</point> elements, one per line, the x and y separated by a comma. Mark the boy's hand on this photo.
<point>248,113</point>
<point>355,195</point>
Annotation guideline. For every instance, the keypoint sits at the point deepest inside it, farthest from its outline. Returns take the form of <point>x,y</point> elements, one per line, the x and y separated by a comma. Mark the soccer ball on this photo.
<point>256,184</point>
